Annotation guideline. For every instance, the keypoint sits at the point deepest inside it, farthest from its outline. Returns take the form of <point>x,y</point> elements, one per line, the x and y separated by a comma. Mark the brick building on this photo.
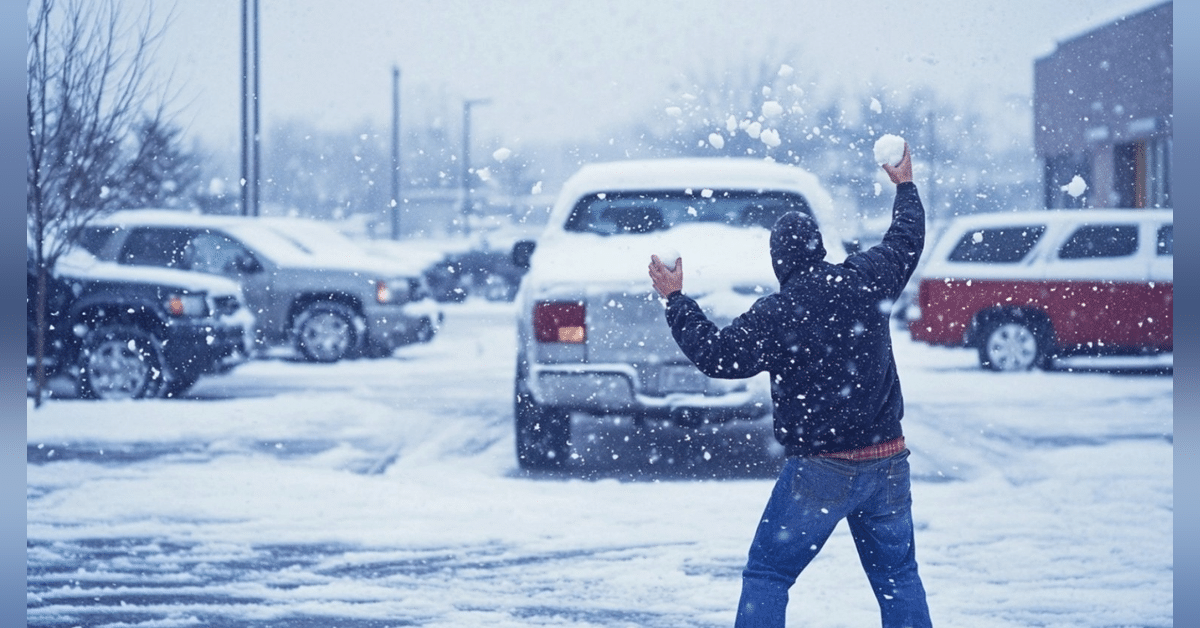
<point>1103,111</point>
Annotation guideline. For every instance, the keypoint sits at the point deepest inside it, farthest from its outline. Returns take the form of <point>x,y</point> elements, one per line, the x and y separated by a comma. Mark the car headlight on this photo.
<point>187,305</point>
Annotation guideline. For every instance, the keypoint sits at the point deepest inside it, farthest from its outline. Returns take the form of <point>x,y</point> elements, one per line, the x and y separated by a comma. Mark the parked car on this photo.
<point>591,332</point>
<point>128,333</point>
<point>328,307</point>
<point>1025,288</point>
<point>487,273</point>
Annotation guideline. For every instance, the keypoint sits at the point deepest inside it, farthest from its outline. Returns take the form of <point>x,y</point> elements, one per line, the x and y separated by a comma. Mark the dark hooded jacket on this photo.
<point>824,337</point>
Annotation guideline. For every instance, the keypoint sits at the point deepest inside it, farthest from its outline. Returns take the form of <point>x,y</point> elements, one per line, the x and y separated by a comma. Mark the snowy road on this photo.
<point>385,493</point>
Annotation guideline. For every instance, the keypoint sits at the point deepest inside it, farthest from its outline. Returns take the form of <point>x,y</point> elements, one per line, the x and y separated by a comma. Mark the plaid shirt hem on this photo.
<point>870,452</point>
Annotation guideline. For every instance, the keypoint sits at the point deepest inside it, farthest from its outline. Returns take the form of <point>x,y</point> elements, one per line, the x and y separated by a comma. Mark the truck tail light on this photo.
<point>560,321</point>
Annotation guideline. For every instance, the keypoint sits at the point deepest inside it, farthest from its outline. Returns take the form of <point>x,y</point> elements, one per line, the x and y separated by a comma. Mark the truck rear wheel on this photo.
<point>543,433</point>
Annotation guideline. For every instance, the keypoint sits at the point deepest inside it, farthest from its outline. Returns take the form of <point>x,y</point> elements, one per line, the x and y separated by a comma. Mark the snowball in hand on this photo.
<point>667,256</point>
<point>889,150</point>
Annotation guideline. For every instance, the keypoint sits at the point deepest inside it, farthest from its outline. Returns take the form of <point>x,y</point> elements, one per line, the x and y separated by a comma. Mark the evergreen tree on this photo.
<point>160,173</point>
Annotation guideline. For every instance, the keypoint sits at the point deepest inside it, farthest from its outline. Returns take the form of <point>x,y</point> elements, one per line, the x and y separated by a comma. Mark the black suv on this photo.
<point>489,273</point>
<point>121,333</point>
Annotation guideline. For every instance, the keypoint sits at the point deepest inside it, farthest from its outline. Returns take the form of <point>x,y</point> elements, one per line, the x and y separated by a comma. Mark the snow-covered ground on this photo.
<point>379,493</point>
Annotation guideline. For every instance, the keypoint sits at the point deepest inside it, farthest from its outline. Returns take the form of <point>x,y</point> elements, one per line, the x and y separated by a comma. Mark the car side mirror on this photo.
<point>521,253</point>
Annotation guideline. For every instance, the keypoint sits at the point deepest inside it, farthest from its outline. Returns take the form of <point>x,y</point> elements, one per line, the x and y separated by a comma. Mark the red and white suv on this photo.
<point>1024,288</point>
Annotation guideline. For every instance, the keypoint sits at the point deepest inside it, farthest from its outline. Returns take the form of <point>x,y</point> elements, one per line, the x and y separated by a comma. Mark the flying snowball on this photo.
<point>537,188</point>
<point>889,149</point>
<point>770,137</point>
<point>771,108</point>
<point>785,70</point>
<point>1076,187</point>
<point>753,129</point>
<point>716,140</point>
<point>501,154</point>
<point>875,106</point>
<point>667,256</point>
<point>674,112</point>
<point>731,124</point>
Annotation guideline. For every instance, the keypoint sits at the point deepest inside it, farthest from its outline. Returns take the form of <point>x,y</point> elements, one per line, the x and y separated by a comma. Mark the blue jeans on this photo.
<point>811,496</point>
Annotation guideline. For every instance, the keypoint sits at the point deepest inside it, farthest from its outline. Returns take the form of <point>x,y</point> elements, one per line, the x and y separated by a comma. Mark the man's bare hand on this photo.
<point>901,172</point>
<point>666,281</point>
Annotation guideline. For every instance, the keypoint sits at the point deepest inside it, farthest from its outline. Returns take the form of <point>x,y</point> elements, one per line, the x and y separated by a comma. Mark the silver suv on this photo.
<point>328,307</point>
<point>591,333</point>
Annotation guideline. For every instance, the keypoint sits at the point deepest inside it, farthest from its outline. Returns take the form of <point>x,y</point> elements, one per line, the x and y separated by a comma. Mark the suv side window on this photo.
<point>1166,240</point>
<point>155,247</point>
<point>217,254</point>
<point>1099,241</point>
<point>1005,245</point>
<point>93,239</point>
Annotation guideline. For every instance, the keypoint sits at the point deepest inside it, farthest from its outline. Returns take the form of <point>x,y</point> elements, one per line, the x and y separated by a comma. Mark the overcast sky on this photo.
<point>564,69</point>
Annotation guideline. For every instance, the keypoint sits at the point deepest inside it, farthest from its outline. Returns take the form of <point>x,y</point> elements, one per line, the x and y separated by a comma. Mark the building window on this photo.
<point>1158,172</point>
<point>1129,164</point>
<point>1142,173</point>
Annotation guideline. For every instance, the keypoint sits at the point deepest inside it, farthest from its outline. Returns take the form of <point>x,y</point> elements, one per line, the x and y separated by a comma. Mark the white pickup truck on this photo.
<point>592,336</point>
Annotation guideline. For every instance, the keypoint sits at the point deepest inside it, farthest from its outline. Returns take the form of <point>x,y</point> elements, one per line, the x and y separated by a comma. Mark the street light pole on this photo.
<point>251,135</point>
<point>465,176</point>
<point>256,190</point>
<point>245,178</point>
<point>395,205</point>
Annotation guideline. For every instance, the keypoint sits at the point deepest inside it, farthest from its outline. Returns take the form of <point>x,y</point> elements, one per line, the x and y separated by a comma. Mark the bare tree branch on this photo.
<point>89,90</point>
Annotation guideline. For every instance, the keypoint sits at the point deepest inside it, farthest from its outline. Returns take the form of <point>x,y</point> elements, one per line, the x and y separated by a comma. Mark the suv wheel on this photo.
<point>120,362</point>
<point>543,434</point>
<point>1011,345</point>
<point>325,332</point>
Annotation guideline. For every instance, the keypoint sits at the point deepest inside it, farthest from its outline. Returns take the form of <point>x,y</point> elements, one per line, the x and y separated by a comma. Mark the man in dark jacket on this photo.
<point>825,341</point>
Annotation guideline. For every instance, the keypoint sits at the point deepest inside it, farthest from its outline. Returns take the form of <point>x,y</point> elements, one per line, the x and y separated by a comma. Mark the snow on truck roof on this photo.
<point>652,174</point>
<point>727,173</point>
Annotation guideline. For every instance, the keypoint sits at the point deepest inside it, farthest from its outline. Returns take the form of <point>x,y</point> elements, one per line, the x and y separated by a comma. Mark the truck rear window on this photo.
<point>645,212</point>
<point>1005,245</point>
